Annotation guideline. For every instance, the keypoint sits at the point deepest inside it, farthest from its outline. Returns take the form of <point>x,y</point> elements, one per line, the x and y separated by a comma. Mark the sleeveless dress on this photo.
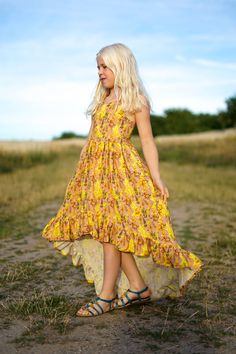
<point>111,198</point>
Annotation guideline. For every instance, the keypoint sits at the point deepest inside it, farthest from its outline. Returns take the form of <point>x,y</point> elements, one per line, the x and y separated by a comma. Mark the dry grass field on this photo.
<point>41,290</point>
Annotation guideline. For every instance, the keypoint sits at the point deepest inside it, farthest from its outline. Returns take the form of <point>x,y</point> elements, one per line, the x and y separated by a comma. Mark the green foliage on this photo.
<point>179,121</point>
<point>183,121</point>
<point>68,135</point>
<point>231,111</point>
<point>11,161</point>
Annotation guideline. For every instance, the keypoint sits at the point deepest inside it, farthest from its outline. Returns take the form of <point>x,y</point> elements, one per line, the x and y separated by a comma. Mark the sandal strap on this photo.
<point>98,298</point>
<point>122,300</point>
<point>90,312</point>
<point>124,296</point>
<point>99,313</point>
<point>105,300</point>
<point>93,306</point>
<point>138,292</point>
<point>97,307</point>
<point>128,298</point>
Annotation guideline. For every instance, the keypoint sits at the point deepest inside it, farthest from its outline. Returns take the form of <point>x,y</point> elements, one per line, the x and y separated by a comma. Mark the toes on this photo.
<point>115,304</point>
<point>85,312</point>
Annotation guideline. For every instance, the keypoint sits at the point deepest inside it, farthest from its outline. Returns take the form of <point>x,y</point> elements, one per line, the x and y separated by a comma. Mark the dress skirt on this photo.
<point>111,197</point>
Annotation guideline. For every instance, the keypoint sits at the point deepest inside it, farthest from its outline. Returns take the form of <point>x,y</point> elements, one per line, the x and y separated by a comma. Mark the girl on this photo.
<point>114,219</point>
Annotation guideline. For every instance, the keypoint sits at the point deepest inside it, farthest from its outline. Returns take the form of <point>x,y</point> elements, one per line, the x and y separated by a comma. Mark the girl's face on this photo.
<point>106,75</point>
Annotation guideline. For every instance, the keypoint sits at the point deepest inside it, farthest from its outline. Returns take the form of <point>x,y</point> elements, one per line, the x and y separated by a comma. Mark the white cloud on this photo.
<point>47,57</point>
<point>49,92</point>
<point>215,64</point>
<point>212,38</point>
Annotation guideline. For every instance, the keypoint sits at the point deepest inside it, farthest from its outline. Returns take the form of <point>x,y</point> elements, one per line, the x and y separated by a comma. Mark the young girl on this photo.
<point>114,219</point>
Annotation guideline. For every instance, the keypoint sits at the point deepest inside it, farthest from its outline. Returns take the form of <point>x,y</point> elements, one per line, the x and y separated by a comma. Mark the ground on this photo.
<point>35,276</point>
<point>41,290</point>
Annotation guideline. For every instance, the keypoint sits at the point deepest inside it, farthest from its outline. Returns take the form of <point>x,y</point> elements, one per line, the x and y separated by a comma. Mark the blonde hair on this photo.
<point>128,87</point>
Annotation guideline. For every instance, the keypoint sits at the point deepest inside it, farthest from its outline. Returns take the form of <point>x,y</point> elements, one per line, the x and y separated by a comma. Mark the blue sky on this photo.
<point>185,49</point>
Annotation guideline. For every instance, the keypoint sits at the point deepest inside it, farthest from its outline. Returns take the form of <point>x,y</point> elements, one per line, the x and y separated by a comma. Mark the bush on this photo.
<point>68,135</point>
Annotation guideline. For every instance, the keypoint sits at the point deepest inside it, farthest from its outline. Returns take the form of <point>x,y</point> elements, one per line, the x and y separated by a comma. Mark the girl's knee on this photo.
<point>110,247</point>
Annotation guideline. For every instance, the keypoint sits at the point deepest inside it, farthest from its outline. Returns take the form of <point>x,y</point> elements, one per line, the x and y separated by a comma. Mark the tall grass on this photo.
<point>11,161</point>
<point>24,188</point>
<point>192,169</point>
<point>209,153</point>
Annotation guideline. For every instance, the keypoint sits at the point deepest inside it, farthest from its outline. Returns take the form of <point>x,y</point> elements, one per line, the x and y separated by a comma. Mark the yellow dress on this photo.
<point>111,198</point>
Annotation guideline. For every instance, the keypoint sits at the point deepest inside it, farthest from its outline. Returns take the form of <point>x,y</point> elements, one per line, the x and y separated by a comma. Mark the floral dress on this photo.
<point>111,198</point>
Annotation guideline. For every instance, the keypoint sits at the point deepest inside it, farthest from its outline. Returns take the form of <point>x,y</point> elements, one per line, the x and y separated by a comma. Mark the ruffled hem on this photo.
<point>163,280</point>
<point>164,253</point>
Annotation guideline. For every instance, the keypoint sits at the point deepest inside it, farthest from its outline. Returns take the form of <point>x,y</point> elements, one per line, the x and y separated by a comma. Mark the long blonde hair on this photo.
<point>128,87</point>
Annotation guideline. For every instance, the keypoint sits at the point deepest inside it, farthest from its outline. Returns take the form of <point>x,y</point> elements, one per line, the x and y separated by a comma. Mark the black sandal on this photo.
<point>95,306</point>
<point>138,300</point>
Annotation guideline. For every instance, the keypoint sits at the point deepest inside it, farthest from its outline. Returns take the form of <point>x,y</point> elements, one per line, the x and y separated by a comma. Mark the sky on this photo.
<point>185,50</point>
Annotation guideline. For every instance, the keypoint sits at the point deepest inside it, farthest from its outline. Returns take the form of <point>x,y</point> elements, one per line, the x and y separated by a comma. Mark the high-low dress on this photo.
<point>111,197</point>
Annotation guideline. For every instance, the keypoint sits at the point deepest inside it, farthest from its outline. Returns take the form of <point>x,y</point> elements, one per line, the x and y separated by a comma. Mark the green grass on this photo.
<point>213,153</point>
<point>12,161</point>
<point>24,189</point>
<point>40,303</point>
<point>23,271</point>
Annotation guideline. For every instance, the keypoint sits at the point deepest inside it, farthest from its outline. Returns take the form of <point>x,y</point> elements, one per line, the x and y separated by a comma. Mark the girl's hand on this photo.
<point>163,189</point>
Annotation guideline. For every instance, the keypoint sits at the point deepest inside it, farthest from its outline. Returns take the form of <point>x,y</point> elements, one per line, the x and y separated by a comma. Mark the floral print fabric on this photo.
<point>111,198</point>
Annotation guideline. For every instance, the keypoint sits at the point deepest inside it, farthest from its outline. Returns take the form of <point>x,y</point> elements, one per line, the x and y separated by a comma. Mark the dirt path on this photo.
<point>42,290</point>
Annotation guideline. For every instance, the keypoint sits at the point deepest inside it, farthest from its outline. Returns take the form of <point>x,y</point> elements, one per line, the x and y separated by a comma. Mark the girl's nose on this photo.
<point>100,71</point>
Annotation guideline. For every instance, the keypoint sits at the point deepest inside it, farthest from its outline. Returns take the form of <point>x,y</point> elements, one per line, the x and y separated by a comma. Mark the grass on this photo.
<point>206,153</point>
<point>49,306</point>
<point>23,271</point>
<point>25,189</point>
<point>42,310</point>
<point>12,161</point>
<point>211,149</point>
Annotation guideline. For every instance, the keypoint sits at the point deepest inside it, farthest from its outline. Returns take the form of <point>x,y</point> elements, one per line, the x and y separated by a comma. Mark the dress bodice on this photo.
<point>111,123</point>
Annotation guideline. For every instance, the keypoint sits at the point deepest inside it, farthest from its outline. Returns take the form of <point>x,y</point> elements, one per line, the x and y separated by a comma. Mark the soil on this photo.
<point>201,322</point>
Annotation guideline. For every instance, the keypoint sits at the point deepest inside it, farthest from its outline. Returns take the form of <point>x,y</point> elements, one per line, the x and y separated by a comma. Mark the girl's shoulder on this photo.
<point>145,101</point>
<point>144,107</point>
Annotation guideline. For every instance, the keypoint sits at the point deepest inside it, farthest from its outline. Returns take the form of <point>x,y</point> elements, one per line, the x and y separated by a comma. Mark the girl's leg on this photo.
<point>132,272</point>
<point>112,261</point>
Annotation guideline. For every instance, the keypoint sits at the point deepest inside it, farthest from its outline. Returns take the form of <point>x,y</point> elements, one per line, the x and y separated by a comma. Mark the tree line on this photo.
<point>183,121</point>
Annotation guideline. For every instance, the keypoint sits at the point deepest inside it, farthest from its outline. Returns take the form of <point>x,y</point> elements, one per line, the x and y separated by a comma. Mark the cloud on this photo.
<point>49,92</point>
<point>184,50</point>
<point>215,64</point>
<point>213,38</point>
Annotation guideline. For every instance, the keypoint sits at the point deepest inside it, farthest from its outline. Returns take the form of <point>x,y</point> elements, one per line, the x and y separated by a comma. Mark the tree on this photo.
<point>179,121</point>
<point>231,111</point>
<point>68,135</point>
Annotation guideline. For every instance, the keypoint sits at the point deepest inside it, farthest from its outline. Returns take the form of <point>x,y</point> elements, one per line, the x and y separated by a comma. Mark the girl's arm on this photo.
<point>149,148</point>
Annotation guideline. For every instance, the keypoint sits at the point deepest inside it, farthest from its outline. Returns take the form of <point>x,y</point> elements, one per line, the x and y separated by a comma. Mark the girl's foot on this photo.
<point>99,307</point>
<point>133,297</point>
